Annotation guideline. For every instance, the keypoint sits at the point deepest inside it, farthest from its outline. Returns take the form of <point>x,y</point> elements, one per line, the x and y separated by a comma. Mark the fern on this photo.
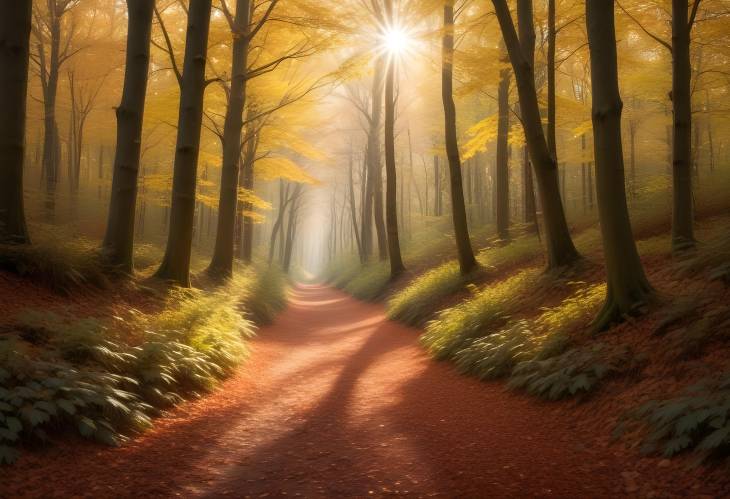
<point>698,419</point>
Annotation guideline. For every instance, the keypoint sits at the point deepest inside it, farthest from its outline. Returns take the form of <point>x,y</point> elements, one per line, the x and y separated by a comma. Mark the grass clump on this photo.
<point>531,339</point>
<point>370,282</point>
<point>481,314</point>
<point>268,294</point>
<point>698,419</point>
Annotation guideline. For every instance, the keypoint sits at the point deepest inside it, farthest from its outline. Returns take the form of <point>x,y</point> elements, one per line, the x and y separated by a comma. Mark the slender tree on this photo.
<point>176,262</point>
<point>15,25</point>
<point>628,289</point>
<point>560,248</point>
<point>221,264</point>
<point>467,262</point>
<point>119,239</point>
<point>502,181</point>
<point>391,189</point>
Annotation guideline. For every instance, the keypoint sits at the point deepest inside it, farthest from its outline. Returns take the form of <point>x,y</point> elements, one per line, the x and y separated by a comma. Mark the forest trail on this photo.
<point>336,401</point>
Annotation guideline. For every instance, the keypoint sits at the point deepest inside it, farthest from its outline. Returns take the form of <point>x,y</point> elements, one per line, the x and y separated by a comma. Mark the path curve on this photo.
<point>336,401</point>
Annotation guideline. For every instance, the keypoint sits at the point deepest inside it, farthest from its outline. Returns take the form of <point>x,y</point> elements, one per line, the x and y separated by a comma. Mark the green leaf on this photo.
<point>715,439</point>
<point>34,416</point>
<point>14,424</point>
<point>66,405</point>
<point>86,426</point>
<point>8,455</point>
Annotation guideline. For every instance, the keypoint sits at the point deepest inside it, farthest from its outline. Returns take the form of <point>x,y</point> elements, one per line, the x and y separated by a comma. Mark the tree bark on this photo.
<point>551,36</point>
<point>176,262</point>
<point>353,209</point>
<point>467,262</point>
<point>628,289</point>
<point>682,209</point>
<point>118,244</point>
<point>560,248</point>
<point>376,171</point>
<point>391,192</point>
<point>15,25</point>
<point>502,180</point>
<point>247,183</point>
<point>221,265</point>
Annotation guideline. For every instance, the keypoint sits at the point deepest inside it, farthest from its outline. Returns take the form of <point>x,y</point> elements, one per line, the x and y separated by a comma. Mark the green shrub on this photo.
<point>481,314</point>
<point>699,419</point>
<point>268,294</point>
<point>370,282</point>
<point>575,372</point>
<point>62,265</point>
<point>523,340</point>
<point>87,377</point>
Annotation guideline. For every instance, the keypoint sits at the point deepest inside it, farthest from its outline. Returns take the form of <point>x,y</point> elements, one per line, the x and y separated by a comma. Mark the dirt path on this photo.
<point>337,402</point>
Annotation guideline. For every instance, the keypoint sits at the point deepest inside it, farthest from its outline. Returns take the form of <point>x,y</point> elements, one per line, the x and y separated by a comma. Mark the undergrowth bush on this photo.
<point>486,310</point>
<point>698,419</point>
<point>370,281</point>
<point>62,266</point>
<point>575,372</point>
<point>531,339</point>
<point>106,377</point>
<point>267,295</point>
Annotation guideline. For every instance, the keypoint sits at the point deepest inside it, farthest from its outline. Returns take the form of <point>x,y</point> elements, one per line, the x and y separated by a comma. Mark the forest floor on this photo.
<point>336,401</point>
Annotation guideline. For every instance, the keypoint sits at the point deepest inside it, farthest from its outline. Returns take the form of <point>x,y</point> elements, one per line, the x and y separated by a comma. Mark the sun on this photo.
<point>396,40</point>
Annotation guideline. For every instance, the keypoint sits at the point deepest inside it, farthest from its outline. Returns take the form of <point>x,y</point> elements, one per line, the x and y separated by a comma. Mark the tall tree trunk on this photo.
<point>176,262</point>
<point>375,172</point>
<point>628,289</point>
<point>467,262</point>
<point>51,140</point>
<point>118,244</point>
<point>502,180</point>
<point>682,209</point>
<point>437,186</point>
<point>551,36</point>
<point>560,248</point>
<point>15,27</point>
<point>527,43</point>
<point>391,190</point>
<point>247,182</point>
<point>366,204</point>
<point>221,265</point>
<point>353,210</point>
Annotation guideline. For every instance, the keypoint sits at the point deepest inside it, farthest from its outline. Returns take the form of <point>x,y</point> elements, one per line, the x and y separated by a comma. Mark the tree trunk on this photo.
<point>560,248</point>
<point>51,141</point>
<point>118,245</point>
<point>15,27</point>
<point>682,209</point>
<point>502,173</point>
<point>176,263</point>
<point>628,289</point>
<point>527,43</point>
<point>221,265</point>
<point>375,172</point>
<point>467,262</point>
<point>436,186</point>
<point>391,192</point>
<point>353,210</point>
<point>551,35</point>
<point>247,182</point>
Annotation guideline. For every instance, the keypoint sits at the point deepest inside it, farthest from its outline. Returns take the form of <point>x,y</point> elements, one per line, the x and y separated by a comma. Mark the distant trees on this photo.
<point>15,27</point>
<point>628,289</point>
<point>175,265</point>
<point>467,262</point>
<point>53,51</point>
<point>118,244</point>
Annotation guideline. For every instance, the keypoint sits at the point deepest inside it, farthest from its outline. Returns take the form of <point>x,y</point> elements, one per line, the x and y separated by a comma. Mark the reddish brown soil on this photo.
<point>338,402</point>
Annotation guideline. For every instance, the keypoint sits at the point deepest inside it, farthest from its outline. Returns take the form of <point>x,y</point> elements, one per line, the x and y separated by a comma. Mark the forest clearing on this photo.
<point>365,248</point>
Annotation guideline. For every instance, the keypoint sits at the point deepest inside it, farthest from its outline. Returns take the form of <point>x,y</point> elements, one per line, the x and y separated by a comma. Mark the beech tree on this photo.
<point>627,287</point>
<point>118,245</point>
<point>560,248</point>
<point>391,213</point>
<point>175,265</point>
<point>15,26</point>
<point>467,262</point>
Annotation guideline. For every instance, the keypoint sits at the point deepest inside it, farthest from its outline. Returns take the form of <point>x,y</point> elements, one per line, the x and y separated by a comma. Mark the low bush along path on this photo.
<point>336,401</point>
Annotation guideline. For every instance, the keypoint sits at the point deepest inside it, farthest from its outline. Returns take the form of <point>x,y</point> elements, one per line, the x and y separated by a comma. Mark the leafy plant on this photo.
<point>698,419</point>
<point>575,372</point>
